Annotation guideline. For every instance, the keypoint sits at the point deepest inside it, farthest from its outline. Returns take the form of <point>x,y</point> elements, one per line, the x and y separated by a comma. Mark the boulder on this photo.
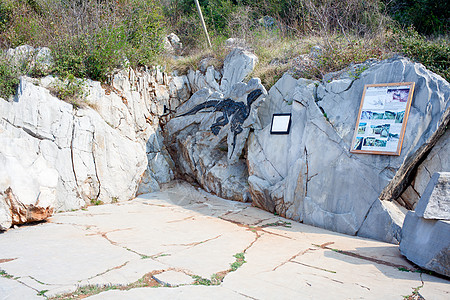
<point>310,175</point>
<point>175,43</point>
<point>426,231</point>
<point>427,243</point>
<point>235,42</point>
<point>237,65</point>
<point>39,60</point>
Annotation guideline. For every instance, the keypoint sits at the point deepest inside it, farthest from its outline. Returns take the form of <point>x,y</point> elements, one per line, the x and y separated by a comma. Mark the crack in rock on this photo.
<point>193,244</point>
<point>181,220</point>
<point>317,268</point>
<point>363,257</point>
<point>109,270</point>
<point>292,258</point>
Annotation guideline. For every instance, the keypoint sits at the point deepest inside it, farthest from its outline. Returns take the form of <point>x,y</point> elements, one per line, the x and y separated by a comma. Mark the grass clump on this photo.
<point>434,53</point>
<point>5,275</point>
<point>96,202</point>
<point>8,79</point>
<point>240,260</point>
<point>71,90</point>
<point>216,279</point>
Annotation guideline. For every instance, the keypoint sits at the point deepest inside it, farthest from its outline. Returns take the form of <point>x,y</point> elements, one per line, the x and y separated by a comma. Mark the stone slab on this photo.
<point>13,290</point>
<point>173,278</point>
<point>183,230</point>
<point>427,243</point>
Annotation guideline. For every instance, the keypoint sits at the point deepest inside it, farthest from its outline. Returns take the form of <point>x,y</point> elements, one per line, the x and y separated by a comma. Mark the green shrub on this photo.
<point>427,16</point>
<point>106,52</point>
<point>88,38</point>
<point>8,79</point>
<point>143,29</point>
<point>434,54</point>
<point>69,56</point>
<point>71,90</point>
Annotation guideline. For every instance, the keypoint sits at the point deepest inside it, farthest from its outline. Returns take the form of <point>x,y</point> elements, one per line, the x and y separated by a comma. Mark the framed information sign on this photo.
<point>382,118</point>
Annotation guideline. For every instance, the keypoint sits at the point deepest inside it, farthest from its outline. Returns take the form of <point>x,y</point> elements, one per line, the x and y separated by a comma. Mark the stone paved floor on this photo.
<point>158,245</point>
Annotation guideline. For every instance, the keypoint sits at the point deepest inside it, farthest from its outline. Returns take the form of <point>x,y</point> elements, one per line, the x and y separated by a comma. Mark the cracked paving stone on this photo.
<point>125,274</point>
<point>11,289</point>
<point>118,244</point>
<point>181,292</point>
<point>173,278</point>
<point>59,254</point>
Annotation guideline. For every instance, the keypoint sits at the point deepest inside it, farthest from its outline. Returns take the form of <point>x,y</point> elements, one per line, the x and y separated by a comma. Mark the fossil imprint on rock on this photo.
<point>238,111</point>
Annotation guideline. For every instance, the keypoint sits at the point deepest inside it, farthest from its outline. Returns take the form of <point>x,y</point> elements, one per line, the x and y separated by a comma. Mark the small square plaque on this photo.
<point>281,123</point>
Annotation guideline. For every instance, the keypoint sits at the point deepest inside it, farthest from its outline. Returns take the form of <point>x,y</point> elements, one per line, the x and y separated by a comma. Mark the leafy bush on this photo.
<point>8,79</point>
<point>434,54</point>
<point>71,89</point>
<point>427,16</point>
<point>88,38</point>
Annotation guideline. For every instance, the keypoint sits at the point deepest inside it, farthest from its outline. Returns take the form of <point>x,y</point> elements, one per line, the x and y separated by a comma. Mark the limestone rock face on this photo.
<point>172,44</point>
<point>208,135</point>
<point>55,157</point>
<point>310,175</point>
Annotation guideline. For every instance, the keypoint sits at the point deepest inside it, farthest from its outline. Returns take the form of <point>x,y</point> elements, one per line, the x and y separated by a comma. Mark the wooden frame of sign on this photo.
<point>382,118</point>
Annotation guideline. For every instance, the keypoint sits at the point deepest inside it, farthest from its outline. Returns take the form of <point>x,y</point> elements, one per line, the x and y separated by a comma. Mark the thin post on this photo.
<point>203,22</point>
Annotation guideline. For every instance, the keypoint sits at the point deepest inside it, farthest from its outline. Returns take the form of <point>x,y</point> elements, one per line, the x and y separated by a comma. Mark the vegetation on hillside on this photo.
<point>91,38</point>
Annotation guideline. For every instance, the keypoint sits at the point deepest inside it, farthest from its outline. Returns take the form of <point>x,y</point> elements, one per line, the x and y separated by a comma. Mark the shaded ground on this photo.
<point>186,244</point>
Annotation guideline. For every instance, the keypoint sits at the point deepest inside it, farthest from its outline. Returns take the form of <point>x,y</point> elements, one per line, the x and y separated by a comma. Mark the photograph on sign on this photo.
<point>382,118</point>
<point>281,124</point>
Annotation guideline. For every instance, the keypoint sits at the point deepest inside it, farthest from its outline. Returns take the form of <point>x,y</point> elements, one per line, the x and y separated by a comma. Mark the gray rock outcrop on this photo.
<point>237,65</point>
<point>426,231</point>
<point>56,157</point>
<point>208,134</point>
<point>437,160</point>
<point>172,44</point>
<point>310,175</point>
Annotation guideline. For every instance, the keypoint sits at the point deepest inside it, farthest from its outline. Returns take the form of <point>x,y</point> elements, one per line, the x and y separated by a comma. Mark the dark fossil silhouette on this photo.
<point>238,111</point>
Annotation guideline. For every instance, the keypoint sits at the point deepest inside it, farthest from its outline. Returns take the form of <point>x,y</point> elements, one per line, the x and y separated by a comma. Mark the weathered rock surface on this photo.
<point>208,135</point>
<point>310,175</point>
<point>39,59</point>
<point>435,201</point>
<point>436,161</point>
<point>207,149</point>
<point>172,44</point>
<point>237,65</point>
<point>55,157</point>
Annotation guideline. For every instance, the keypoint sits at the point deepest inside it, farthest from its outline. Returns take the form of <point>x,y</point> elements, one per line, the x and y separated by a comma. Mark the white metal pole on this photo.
<point>203,22</point>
